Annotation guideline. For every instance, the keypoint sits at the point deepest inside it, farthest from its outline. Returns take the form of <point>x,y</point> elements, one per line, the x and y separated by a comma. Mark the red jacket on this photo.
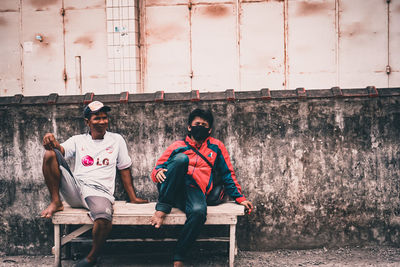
<point>215,151</point>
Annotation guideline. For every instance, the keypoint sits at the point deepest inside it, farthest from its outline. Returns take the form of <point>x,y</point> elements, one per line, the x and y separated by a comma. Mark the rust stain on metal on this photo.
<point>164,33</point>
<point>306,8</point>
<point>8,10</point>
<point>355,28</point>
<point>84,40</point>
<point>64,76</point>
<point>72,8</point>
<point>216,11</point>
<point>43,3</point>
<point>3,21</point>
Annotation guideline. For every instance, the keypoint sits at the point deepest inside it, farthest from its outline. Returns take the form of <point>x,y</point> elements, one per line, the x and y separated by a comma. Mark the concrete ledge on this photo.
<point>228,95</point>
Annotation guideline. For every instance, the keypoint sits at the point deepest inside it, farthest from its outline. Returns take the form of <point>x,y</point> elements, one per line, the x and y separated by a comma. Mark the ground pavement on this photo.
<point>355,256</point>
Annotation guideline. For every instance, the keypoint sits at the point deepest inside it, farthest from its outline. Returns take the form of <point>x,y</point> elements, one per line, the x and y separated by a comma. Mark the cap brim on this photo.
<point>104,109</point>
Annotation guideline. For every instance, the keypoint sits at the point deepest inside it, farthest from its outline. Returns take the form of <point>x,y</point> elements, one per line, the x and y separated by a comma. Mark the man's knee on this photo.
<point>198,212</point>
<point>100,208</point>
<point>49,156</point>
<point>181,159</point>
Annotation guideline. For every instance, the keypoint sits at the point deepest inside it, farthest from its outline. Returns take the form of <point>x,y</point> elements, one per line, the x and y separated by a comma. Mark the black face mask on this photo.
<point>199,133</point>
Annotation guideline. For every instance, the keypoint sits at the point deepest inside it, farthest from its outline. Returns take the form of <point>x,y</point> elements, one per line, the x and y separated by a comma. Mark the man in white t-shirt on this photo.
<point>97,155</point>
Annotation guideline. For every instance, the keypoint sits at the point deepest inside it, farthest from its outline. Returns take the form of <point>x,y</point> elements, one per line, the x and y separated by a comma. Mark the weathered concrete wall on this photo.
<point>321,171</point>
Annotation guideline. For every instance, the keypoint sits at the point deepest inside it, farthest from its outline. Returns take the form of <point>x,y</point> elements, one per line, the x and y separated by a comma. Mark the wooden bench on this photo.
<point>140,214</point>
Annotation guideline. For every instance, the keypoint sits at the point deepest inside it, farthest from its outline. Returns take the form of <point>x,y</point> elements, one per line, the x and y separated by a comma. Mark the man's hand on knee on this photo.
<point>160,175</point>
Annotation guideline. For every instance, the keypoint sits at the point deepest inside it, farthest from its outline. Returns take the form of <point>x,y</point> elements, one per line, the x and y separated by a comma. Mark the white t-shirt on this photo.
<point>96,162</point>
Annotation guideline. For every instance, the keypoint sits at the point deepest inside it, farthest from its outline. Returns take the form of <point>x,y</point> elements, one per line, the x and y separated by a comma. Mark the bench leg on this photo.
<point>57,246</point>
<point>232,244</point>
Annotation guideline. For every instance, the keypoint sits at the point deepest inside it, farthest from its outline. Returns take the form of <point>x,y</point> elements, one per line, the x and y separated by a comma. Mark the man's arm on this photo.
<point>50,142</point>
<point>127,182</point>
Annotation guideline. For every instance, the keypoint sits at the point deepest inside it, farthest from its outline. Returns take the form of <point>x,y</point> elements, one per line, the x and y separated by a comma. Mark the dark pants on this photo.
<point>181,191</point>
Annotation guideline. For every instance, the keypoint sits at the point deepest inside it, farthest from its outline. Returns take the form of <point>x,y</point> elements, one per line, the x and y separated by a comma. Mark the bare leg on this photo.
<point>178,263</point>
<point>52,177</point>
<point>101,229</point>
<point>157,219</point>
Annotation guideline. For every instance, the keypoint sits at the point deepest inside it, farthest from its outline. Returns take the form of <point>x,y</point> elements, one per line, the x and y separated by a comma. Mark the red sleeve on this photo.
<point>168,153</point>
<point>232,185</point>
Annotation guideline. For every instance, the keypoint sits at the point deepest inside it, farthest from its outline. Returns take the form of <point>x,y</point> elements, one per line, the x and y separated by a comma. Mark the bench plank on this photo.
<point>140,214</point>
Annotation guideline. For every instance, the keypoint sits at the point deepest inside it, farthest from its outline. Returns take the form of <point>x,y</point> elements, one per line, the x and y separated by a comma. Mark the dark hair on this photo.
<point>204,114</point>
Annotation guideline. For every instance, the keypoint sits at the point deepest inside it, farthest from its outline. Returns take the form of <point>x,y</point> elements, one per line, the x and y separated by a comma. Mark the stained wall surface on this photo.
<point>320,171</point>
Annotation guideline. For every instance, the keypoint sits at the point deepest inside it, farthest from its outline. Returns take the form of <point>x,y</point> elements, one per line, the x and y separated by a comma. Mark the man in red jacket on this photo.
<point>186,177</point>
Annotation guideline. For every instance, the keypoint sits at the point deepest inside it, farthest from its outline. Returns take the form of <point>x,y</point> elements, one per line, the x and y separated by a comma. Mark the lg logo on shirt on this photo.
<point>89,161</point>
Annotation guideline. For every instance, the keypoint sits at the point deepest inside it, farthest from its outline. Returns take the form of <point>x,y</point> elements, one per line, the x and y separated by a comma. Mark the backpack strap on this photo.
<point>201,155</point>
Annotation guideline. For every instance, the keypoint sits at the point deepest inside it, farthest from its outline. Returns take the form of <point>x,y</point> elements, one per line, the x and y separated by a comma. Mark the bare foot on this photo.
<point>157,218</point>
<point>178,263</point>
<point>53,207</point>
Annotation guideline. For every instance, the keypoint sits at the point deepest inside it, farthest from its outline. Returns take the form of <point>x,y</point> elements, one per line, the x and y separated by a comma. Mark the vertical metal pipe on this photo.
<point>78,74</point>
<point>388,43</point>
<point>21,38</point>
<point>190,7</point>
<point>142,41</point>
<point>64,53</point>
<point>337,28</point>
<point>238,71</point>
<point>285,44</point>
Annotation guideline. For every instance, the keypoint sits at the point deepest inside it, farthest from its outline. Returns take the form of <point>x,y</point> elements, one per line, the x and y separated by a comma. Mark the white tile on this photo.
<point>117,64</point>
<point>117,77</point>
<point>116,38</point>
<point>132,63</point>
<point>116,3</point>
<point>131,25</point>
<point>126,64</point>
<point>116,13</point>
<point>110,26</point>
<point>109,12</point>
<point>125,13</point>
<point>132,13</point>
<point>127,76</point>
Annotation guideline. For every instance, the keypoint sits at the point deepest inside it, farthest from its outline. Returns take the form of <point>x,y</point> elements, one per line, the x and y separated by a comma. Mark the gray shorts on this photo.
<point>70,189</point>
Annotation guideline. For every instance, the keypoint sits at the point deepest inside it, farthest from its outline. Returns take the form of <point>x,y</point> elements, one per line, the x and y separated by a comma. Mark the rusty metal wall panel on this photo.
<point>10,52</point>
<point>212,2</point>
<point>86,50</point>
<point>262,45</point>
<point>311,44</point>
<point>9,6</point>
<point>394,43</point>
<point>165,2</point>
<point>362,43</point>
<point>79,4</point>
<point>167,49</point>
<point>214,50</point>
<point>42,39</point>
